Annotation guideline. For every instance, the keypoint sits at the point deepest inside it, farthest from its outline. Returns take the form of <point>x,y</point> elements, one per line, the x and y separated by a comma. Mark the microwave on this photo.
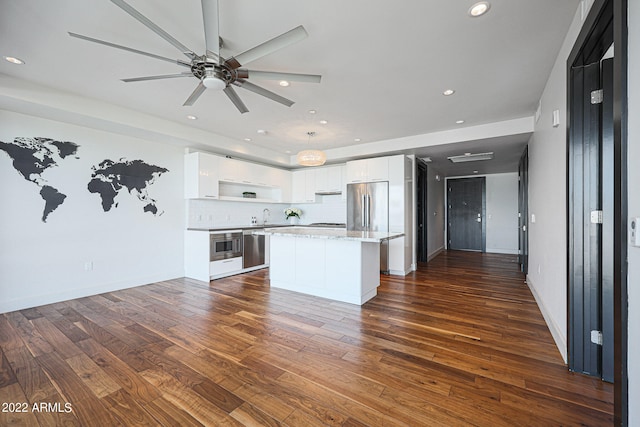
<point>225,245</point>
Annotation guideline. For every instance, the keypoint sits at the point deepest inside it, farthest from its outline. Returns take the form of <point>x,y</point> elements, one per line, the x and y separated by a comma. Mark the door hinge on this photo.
<point>596,217</point>
<point>597,96</point>
<point>596,337</point>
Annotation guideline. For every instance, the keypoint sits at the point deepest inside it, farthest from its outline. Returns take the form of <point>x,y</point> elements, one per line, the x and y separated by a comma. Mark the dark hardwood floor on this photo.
<point>459,342</point>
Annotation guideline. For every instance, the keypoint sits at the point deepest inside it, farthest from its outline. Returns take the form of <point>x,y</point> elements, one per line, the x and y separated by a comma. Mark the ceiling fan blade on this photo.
<point>293,77</point>
<point>270,46</point>
<point>211,27</point>
<point>153,27</point>
<point>233,96</point>
<point>164,76</point>
<point>128,49</point>
<point>195,95</point>
<point>264,92</point>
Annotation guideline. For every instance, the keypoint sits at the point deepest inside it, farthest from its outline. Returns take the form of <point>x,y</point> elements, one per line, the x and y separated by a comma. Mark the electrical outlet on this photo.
<point>88,266</point>
<point>199,218</point>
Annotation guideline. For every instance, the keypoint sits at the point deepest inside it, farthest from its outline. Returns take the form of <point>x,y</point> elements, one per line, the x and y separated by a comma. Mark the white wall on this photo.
<point>634,211</point>
<point>502,213</point>
<point>547,275</point>
<point>436,212</point>
<point>45,262</point>
<point>502,204</point>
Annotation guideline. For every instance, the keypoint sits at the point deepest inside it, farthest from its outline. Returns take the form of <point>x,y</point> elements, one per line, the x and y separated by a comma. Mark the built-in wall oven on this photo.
<point>226,245</point>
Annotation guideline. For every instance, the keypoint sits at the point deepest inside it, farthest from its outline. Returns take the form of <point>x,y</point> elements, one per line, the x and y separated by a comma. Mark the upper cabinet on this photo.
<point>368,170</point>
<point>329,179</point>
<point>201,176</point>
<point>213,177</point>
<point>303,186</point>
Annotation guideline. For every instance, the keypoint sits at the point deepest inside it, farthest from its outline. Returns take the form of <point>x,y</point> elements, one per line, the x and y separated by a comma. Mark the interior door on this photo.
<point>523,211</point>
<point>466,214</point>
<point>422,216</point>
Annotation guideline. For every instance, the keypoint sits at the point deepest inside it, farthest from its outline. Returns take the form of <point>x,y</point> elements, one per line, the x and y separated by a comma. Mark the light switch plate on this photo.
<point>634,232</point>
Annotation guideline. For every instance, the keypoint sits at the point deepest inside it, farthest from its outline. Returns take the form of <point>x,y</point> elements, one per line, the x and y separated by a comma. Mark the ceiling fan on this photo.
<point>211,69</point>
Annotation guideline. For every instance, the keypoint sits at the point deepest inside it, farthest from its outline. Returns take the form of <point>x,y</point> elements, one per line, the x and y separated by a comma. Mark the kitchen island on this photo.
<point>331,263</point>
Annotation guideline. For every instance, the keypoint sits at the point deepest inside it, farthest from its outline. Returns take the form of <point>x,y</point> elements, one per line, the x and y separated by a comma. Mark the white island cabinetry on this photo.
<point>330,263</point>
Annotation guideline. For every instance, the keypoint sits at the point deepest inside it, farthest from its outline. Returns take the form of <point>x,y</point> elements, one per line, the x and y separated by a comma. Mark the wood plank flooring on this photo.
<point>459,342</point>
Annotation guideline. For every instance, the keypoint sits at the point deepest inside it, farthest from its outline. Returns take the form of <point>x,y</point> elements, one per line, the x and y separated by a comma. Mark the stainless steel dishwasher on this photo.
<point>253,249</point>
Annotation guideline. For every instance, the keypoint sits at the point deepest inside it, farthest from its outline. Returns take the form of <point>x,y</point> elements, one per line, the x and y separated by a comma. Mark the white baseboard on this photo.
<point>65,295</point>
<point>501,251</point>
<point>556,332</point>
<point>435,253</point>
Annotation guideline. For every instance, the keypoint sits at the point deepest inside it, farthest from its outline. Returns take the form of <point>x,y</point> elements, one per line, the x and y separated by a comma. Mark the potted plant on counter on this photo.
<point>293,215</point>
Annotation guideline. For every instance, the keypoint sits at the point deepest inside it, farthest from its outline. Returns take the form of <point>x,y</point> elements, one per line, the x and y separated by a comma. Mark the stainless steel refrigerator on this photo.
<point>368,210</point>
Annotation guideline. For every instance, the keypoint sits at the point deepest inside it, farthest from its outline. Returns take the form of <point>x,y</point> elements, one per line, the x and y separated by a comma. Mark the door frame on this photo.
<point>523,211</point>
<point>606,23</point>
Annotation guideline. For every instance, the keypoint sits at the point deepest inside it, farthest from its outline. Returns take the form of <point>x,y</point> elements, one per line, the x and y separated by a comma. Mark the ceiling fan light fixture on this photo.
<point>212,81</point>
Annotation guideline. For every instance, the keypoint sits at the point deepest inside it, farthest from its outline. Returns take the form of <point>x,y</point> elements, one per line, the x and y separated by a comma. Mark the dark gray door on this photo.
<point>591,190</point>
<point>422,216</point>
<point>466,214</point>
<point>523,211</point>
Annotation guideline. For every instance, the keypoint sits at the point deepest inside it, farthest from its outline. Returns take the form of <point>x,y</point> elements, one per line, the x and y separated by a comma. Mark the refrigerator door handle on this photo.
<point>363,210</point>
<point>368,208</point>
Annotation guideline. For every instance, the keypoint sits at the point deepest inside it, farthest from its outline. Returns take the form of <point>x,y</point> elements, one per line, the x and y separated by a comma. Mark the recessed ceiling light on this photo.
<point>448,92</point>
<point>479,9</point>
<point>262,131</point>
<point>13,60</point>
<point>459,122</point>
<point>475,171</point>
<point>284,83</point>
<point>192,117</point>
<point>323,122</point>
<point>248,139</point>
<point>288,151</point>
<point>357,140</point>
<point>467,154</point>
<point>312,111</point>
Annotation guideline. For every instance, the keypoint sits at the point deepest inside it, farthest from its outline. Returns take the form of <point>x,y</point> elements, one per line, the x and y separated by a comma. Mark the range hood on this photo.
<point>328,193</point>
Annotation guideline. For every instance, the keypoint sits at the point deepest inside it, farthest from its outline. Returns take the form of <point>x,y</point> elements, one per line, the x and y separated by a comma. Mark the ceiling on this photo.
<point>384,66</point>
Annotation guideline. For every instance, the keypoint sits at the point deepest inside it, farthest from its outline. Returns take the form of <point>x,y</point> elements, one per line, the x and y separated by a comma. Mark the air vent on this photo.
<point>468,157</point>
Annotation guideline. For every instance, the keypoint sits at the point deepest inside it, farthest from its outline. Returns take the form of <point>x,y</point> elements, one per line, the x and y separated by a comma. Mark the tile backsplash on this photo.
<point>217,213</point>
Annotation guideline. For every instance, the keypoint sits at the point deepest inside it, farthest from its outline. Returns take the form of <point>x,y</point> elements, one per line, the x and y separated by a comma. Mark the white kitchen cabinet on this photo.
<point>232,170</point>
<point>200,176</point>
<point>329,179</point>
<point>303,186</point>
<point>225,267</point>
<point>368,170</point>
<point>357,171</point>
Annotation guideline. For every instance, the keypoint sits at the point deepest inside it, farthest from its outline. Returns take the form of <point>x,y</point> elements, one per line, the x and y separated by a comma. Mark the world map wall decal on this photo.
<point>34,156</point>
<point>109,178</point>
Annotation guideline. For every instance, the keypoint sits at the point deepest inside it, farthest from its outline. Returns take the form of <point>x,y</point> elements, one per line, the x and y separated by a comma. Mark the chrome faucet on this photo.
<point>265,215</point>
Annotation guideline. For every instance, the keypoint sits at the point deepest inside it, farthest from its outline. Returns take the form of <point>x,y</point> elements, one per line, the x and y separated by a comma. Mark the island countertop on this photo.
<point>330,233</point>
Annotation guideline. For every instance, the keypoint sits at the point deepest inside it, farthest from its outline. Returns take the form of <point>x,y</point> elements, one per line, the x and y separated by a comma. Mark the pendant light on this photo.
<point>311,157</point>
